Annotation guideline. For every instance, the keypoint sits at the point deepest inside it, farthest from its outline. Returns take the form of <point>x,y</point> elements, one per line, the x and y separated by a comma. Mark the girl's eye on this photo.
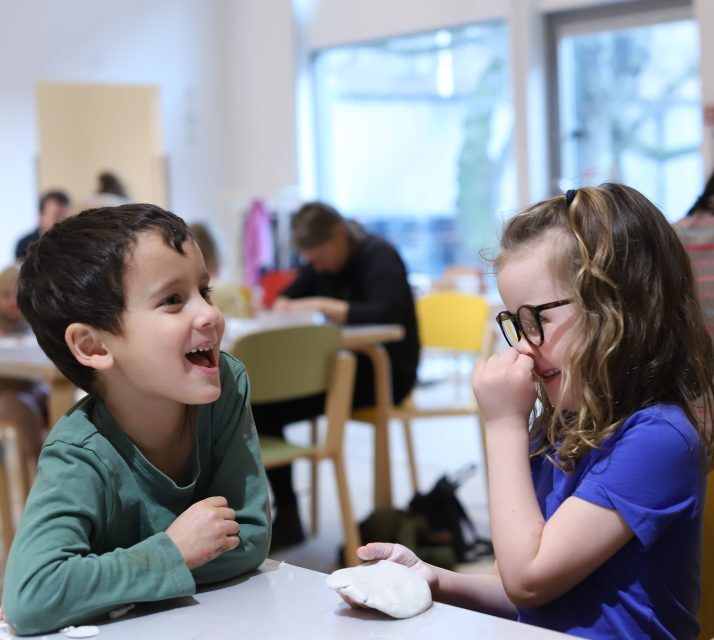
<point>530,328</point>
<point>206,292</point>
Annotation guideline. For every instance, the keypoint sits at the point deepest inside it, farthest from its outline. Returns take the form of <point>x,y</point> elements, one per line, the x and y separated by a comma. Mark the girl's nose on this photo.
<point>525,347</point>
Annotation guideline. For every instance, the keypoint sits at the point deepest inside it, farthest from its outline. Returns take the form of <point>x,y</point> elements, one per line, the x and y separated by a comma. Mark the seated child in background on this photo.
<point>23,403</point>
<point>11,321</point>
<point>153,483</point>
<point>596,500</point>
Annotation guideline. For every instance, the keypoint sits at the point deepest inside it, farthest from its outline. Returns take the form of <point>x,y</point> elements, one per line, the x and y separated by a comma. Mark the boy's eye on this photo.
<point>171,300</point>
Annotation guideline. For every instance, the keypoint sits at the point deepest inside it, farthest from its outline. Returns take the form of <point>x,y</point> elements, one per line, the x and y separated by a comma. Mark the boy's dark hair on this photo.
<point>75,273</point>
<point>55,195</point>
<point>313,225</point>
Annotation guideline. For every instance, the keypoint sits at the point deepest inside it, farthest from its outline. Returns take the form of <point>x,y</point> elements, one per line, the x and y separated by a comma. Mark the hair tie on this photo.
<point>570,196</point>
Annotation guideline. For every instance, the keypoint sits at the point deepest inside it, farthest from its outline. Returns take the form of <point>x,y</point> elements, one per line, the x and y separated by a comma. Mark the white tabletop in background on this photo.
<point>282,601</point>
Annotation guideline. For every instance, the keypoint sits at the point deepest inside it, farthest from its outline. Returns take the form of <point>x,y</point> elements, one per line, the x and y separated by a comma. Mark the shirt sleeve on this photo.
<point>238,475</point>
<point>386,290</point>
<point>55,574</point>
<point>650,475</point>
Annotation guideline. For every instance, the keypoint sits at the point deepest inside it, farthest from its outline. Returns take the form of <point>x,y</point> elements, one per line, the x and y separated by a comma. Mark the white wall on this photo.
<point>177,45</point>
<point>227,71</point>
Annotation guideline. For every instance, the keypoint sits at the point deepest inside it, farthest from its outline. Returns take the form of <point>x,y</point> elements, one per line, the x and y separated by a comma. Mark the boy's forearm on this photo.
<point>57,592</point>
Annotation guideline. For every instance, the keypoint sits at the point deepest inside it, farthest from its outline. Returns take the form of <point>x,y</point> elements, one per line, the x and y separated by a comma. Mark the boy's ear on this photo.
<point>86,345</point>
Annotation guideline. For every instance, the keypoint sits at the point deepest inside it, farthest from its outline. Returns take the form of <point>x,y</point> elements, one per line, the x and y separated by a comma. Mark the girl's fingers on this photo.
<point>375,551</point>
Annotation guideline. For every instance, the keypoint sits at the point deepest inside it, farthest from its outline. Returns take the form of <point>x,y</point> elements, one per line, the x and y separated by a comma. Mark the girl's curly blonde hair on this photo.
<point>645,340</point>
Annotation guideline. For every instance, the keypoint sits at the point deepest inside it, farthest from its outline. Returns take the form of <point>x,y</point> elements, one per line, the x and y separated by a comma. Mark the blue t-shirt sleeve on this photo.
<point>650,472</point>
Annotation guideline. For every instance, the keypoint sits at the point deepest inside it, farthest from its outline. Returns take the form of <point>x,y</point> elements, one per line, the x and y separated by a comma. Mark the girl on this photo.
<point>596,505</point>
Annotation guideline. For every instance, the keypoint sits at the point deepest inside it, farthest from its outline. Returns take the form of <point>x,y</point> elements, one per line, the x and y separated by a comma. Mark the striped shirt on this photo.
<point>697,235</point>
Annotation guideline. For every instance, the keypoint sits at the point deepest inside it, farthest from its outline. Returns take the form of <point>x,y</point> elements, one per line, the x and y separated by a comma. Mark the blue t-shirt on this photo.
<point>653,472</point>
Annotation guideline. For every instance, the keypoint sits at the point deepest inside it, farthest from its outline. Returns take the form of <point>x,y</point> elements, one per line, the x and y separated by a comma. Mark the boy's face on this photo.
<point>171,331</point>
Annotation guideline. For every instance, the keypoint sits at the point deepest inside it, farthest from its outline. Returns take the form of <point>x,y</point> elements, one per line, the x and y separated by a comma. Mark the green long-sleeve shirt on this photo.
<point>93,534</point>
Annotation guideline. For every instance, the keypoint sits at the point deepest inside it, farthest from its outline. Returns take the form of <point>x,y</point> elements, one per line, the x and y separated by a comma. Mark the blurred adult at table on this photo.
<point>207,244</point>
<point>54,207</point>
<point>229,297</point>
<point>351,277</point>
<point>23,403</point>
<point>110,192</point>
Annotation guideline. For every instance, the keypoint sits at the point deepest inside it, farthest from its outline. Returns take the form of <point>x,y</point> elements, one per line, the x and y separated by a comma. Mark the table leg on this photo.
<point>383,404</point>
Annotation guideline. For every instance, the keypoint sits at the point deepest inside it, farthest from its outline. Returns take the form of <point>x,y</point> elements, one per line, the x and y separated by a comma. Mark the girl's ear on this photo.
<point>87,347</point>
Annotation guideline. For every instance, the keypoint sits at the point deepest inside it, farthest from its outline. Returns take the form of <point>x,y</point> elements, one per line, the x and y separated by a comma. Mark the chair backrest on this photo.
<point>290,362</point>
<point>454,320</point>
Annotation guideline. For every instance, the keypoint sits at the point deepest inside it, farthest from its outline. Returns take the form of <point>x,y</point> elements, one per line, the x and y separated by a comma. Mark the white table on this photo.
<point>281,601</point>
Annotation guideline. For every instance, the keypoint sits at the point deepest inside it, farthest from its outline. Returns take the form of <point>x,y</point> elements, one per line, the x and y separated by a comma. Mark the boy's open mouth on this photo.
<point>202,356</point>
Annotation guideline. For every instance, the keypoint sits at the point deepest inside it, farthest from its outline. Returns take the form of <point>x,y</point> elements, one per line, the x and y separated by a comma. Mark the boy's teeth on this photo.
<point>197,349</point>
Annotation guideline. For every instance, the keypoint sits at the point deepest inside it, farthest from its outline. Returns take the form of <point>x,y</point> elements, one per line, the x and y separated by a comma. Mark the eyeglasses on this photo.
<point>525,322</point>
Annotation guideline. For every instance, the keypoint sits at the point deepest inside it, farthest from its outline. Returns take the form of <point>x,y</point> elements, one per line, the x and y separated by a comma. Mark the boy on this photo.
<point>153,483</point>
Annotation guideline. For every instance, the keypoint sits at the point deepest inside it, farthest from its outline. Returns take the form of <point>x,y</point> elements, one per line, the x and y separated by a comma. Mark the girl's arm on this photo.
<point>482,593</point>
<point>538,560</point>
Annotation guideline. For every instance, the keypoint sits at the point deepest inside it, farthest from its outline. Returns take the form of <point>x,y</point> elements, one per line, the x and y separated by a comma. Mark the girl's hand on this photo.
<point>401,555</point>
<point>504,387</point>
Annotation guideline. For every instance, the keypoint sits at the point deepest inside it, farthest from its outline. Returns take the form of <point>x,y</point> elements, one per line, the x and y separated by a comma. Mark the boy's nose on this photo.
<point>209,314</point>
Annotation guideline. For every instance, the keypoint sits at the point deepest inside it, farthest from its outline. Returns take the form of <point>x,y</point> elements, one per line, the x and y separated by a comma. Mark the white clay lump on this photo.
<point>386,586</point>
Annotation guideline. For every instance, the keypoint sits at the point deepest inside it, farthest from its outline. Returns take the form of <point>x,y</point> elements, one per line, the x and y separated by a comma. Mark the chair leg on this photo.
<point>409,442</point>
<point>482,437</point>
<point>349,526</point>
<point>314,477</point>
<point>6,521</point>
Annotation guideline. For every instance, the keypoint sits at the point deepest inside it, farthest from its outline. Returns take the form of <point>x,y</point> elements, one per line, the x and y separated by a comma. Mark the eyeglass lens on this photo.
<point>528,322</point>
<point>510,331</point>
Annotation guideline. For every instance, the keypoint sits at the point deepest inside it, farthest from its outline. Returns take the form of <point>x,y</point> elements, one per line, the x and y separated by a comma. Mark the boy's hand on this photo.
<point>504,386</point>
<point>204,531</point>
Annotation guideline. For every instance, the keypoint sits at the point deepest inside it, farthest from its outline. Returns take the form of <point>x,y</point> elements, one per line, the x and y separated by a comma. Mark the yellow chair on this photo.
<point>450,321</point>
<point>295,362</point>
<point>14,485</point>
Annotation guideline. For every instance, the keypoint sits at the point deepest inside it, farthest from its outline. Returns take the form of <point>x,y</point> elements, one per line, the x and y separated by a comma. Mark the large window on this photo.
<point>629,105</point>
<point>414,140</point>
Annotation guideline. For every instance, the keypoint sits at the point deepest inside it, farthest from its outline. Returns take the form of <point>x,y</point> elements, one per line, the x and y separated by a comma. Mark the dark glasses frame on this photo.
<point>505,316</point>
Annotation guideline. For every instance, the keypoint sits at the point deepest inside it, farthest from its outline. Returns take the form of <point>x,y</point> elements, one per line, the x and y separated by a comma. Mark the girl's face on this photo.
<point>527,277</point>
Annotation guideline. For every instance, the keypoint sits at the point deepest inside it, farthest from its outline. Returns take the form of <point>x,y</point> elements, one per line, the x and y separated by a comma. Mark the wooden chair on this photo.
<point>450,321</point>
<point>14,485</point>
<point>295,362</point>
